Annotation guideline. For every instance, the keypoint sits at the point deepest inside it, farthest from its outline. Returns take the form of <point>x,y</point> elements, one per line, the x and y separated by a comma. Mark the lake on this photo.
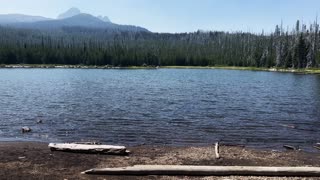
<point>173,107</point>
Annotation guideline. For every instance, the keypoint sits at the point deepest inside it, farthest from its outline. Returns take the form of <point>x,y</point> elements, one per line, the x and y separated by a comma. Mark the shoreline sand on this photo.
<point>53,66</point>
<point>34,160</point>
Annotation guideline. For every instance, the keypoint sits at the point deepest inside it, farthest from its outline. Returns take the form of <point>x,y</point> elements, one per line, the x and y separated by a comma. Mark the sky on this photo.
<point>180,15</point>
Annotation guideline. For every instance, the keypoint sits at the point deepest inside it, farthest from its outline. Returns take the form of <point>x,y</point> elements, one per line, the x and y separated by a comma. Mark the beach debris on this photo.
<point>317,147</point>
<point>291,147</point>
<point>183,170</point>
<point>88,148</point>
<point>288,126</point>
<point>217,150</point>
<point>25,129</point>
<point>21,157</point>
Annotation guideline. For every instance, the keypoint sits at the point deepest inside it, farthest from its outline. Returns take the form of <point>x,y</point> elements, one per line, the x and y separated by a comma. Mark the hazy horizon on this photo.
<point>178,15</point>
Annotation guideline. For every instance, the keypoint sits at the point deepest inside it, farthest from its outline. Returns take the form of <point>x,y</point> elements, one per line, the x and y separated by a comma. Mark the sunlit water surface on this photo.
<point>161,107</point>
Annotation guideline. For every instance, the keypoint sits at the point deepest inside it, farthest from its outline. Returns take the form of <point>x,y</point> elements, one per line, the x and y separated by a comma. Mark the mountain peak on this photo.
<point>104,18</point>
<point>71,18</point>
<point>71,12</point>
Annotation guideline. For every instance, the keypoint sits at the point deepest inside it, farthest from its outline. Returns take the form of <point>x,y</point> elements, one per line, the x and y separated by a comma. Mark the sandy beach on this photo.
<point>32,160</point>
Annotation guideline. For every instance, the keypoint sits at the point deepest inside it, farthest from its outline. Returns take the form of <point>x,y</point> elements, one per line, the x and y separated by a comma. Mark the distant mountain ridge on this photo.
<point>71,18</point>
<point>19,18</point>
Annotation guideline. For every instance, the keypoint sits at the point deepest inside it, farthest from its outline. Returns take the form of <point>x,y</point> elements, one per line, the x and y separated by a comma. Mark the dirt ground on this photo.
<point>26,160</point>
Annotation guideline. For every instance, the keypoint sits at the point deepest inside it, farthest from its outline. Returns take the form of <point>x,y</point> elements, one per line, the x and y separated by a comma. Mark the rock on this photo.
<point>39,121</point>
<point>25,129</point>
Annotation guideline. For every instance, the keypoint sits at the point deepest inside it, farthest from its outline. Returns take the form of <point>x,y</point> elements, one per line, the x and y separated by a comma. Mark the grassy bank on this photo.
<point>300,71</point>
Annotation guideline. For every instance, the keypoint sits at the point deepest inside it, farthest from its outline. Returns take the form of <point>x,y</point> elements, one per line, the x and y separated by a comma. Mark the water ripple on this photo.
<point>161,107</point>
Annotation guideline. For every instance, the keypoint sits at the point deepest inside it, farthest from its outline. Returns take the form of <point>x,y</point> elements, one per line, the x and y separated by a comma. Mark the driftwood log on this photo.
<point>87,143</point>
<point>217,150</point>
<point>87,148</point>
<point>207,171</point>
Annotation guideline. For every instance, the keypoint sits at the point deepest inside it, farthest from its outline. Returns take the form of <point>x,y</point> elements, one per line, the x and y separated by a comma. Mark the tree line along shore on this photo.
<point>297,48</point>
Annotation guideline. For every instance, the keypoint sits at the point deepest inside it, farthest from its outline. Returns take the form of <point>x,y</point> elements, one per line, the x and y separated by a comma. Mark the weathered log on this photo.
<point>87,148</point>
<point>207,171</point>
<point>217,150</point>
<point>88,143</point>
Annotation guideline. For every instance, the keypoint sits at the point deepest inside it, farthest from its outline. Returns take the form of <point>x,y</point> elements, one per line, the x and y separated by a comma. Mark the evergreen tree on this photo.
<point>75,45</point>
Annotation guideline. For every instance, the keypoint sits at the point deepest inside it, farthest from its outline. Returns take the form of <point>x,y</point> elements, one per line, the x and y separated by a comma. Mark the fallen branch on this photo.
<point>207,171</point>
<point>217,150</point>
<point>87,148</point>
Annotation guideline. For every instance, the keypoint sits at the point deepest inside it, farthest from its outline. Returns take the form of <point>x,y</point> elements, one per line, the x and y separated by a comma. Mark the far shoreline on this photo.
<point>56,66</point>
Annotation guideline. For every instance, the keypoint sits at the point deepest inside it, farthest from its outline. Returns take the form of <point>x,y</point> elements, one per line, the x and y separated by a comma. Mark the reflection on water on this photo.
<point>161,107</point>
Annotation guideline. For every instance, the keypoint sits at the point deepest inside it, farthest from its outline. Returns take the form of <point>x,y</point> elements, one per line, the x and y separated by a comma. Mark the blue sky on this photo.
<point>180,15</point>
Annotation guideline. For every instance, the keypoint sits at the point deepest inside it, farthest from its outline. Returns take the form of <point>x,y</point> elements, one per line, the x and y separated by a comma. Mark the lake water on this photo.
<point>161,107</point>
